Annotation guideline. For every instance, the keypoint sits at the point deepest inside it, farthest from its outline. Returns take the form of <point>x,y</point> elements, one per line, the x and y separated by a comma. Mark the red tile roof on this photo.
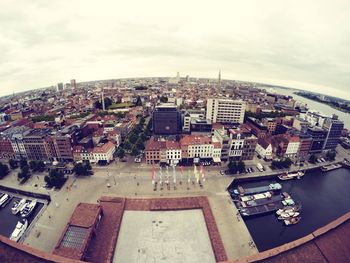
<point>195,140</point>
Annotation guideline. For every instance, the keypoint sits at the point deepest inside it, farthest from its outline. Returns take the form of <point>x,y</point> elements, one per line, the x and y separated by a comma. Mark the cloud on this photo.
<point>283,42</point>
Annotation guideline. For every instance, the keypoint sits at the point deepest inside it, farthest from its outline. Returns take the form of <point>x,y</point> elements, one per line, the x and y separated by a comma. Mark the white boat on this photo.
<point>287,209</point>
<point>3,199</point>
<point>256,196</point>
<point>18,205</point>
<point>289,215</point>
<point>19,230</point>
<point>288,176</point>
<point>292,221</point>
<point>330,167</point>
<point>28,209</point>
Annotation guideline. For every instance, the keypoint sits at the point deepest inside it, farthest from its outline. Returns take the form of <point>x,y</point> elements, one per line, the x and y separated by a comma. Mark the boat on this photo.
<point>18,232</point>
<point>288,215</point>
<point>288,202</point>
<point>295,208</point>
<point>288,176</point>
<point>18,205</point>
<point>256,196</point>
<point>292,221</point>
<point>3,199</point>
<point>261,209</point>
<point>330,167</point>
<point>28,209</point>
<point>254,190</point>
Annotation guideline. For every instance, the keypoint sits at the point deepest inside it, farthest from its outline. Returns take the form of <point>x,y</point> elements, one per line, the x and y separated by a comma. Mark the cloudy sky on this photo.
<point>302,44</point>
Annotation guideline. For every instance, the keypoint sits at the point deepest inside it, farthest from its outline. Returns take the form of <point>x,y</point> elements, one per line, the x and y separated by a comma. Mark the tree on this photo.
<point>163,99</point>
<point>280,164</point>
<point>143,136</point>
<point>120,153</point>
<point>133,137</point>
<point>127,145</point>
<point>232,167</point>
<point>55,178</point>
<point>138,101</point>
<point>4,170</point>
<point>331,155</point>
<point>82,169</point>
<point>22,163</point>
<point>13,164</point>
<point>37,166</point>
<point>139,144</point>
<point>312,158</point>
<point>135,151</point>
<point>241,166</point>
<point>98,104</point>
<point>24,174</point>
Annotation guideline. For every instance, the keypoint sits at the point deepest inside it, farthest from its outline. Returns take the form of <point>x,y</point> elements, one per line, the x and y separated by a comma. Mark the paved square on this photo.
<point>163,236</point>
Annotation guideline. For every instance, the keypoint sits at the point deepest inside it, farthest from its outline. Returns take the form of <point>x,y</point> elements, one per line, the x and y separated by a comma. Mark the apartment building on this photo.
<point>225,110</point>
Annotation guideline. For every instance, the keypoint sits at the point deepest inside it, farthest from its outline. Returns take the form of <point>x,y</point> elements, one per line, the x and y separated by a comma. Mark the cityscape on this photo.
<point>86,165</point>
<point>174,131</point>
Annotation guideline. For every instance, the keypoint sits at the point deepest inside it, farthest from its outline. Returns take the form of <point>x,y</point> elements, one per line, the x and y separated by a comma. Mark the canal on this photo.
<point>324,198</point>
<point>8,221</point>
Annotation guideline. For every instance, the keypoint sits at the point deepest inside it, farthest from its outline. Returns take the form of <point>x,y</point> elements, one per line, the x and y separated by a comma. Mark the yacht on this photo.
<point>18,205</point>
<point>292,221</point>
<point>288,176</point>
<point>28,209</point>
<point>19,230</point>
<point>3,199</point>
<point>288,215</point>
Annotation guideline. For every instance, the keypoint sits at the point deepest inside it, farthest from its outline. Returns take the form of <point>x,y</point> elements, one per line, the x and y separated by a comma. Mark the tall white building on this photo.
<point>225,110</point>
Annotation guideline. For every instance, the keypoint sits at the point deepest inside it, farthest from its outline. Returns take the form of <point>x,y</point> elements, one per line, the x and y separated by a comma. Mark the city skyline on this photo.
<point>288,44</point>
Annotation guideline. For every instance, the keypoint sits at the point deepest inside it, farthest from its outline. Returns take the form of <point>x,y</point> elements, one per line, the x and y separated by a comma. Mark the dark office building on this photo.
<point>334,128</point>
<point>166,120</point>
<point>201,125</point>
<point>318,136</point>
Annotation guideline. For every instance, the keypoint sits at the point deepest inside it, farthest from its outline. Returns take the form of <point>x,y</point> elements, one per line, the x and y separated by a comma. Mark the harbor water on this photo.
<point>324,196</point>
<point>8,220</point>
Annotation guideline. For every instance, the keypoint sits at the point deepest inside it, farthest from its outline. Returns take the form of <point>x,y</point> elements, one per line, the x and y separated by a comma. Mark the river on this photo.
<point>324,108</point>
<point>324,197</point>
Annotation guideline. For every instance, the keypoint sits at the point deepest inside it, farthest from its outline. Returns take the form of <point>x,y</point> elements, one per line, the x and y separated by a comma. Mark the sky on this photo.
<point>300,44</point>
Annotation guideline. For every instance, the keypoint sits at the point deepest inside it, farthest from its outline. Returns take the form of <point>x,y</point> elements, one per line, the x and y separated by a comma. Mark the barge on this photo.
<point>330,167</point>
<point>254,190</point>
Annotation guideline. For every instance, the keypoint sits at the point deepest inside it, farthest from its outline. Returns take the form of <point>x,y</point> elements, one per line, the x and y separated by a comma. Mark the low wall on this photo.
<point>26,193</point>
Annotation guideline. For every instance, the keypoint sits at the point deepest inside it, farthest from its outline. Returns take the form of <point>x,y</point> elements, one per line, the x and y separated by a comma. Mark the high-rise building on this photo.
<point>219,79</point>
<point>166,120</point>
<point>73,84</point>
<point>59,86</point>
<point>319,136</point>
<point>225,110</point>
<point>334,128</point>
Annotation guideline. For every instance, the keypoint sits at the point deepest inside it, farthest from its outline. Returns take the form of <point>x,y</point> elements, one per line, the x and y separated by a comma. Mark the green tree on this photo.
<point>133,137</point>
<point>82,169</point>
<point>23,162</point>
<point>138,101</point>
<point>232,167</point>
<point>135,151</point>
<point>55,178</point>
<point>241,166</point>
<point>37,166</point>
<point>4,170</point>
<point>127,145</point>
<point>13,164</point>
<point>331,155</point>
<point>120,153</point>
<point>163,99</point>
<point>312,158</point>
<point>139,144</point>
<point>24,174</point>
